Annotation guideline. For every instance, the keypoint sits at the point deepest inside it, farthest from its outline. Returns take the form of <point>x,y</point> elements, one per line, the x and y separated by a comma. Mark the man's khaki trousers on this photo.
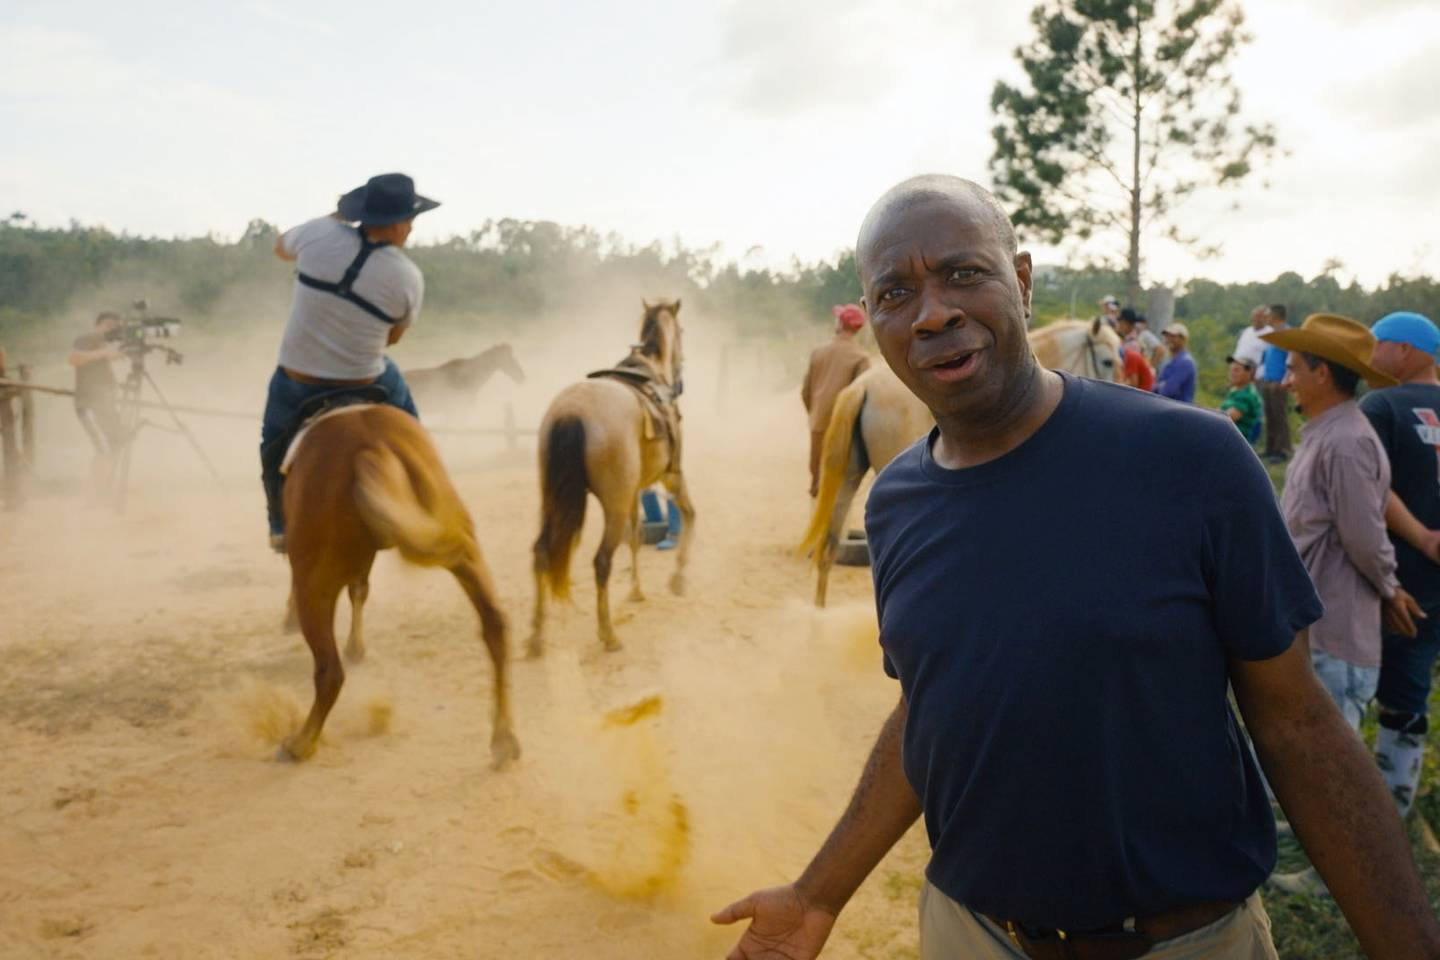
<point>949,931</point>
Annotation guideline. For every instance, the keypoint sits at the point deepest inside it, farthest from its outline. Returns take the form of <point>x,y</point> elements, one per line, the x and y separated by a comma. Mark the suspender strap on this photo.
<point>343,288</point>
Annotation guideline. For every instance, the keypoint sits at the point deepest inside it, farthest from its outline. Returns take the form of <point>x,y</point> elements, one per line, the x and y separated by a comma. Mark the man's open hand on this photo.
<point>783,925</point>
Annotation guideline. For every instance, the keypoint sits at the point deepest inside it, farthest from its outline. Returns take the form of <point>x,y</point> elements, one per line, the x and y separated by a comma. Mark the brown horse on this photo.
<point>601,436</point>
<point>363,479</point>
<point>876,417</point>
<point>459,380</point>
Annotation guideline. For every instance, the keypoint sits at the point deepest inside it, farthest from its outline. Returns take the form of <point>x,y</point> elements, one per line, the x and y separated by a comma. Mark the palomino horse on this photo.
<point>600,436</point>
<point>876,417</point>
<point>365,478</point>
<point>457,380</point>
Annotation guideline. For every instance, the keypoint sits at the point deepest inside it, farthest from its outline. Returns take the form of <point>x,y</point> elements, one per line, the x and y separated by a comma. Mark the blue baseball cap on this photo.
<point>1411,328</point>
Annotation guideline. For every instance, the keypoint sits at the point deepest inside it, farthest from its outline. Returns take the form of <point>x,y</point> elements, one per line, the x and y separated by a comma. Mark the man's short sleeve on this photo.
<point>296,237</point>
<point>1260,593</point>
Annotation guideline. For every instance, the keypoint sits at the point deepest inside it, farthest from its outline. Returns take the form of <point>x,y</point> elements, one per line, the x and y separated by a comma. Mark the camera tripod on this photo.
<point>132,419</point>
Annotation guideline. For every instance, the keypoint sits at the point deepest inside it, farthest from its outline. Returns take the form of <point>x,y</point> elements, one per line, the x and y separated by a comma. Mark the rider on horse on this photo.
<point>356,294</point>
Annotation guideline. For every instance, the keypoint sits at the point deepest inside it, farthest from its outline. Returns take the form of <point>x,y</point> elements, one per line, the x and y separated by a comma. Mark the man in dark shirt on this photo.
<point>96,390</point>
<point>1407,420</point>
<point>1084,783</point>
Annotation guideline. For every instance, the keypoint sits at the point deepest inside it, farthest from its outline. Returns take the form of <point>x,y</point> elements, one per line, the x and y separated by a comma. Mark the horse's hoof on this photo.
<point>534,648</point>
<point>636,597</point>
<point>290,626</point>
<point>504,750</point>
<point>294,751</point>
<point>354,654</point>
<point>610,642</point>
<point>677,585</point>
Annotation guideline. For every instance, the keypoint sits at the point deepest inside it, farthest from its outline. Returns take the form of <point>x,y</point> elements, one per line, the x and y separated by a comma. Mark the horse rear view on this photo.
<point>364,479</point>
<point>613,435</point>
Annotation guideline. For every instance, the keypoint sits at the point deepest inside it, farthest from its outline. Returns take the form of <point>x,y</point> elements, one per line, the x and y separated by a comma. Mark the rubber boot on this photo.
<point>1400,755</point>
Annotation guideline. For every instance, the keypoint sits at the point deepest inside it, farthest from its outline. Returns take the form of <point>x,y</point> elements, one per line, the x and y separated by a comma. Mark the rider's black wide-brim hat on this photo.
<point>385,199</point>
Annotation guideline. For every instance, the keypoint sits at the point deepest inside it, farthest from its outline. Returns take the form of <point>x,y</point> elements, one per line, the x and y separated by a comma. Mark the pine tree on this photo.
<point>1131,109</point>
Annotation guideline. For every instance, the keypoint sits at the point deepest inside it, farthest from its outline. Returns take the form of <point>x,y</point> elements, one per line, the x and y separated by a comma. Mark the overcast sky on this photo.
<point>754,123</point>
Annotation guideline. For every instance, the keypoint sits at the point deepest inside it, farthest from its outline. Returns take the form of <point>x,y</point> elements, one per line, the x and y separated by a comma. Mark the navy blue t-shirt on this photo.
<point>1059,620</point>
<point>1407,421</point>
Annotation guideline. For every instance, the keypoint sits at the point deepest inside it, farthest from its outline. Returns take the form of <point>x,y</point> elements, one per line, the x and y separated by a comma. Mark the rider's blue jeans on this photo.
<point>282,408</point>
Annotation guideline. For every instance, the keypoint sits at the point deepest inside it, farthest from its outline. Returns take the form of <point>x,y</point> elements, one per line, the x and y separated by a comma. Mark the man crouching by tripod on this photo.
<point>355,294</point>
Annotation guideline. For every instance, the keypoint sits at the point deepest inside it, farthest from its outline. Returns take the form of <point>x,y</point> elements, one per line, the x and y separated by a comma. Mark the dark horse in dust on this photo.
<point>457,381</point>
<point>365,478</point>
<point>613,435</point>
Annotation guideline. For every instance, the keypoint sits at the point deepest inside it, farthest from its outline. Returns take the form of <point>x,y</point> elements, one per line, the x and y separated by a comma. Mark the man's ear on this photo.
<point>1023,269</point>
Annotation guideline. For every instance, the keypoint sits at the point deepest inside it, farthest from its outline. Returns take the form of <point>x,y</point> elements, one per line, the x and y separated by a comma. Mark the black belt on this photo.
<point>343,290</point>
<point>1120,942</point>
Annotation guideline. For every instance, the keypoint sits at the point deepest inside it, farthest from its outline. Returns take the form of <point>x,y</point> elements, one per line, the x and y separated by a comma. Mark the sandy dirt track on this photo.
<point>145,682</point>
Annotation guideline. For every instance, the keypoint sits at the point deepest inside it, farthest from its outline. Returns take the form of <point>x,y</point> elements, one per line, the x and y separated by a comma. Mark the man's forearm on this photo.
<point>1332,794</point>
<point>882,808</point>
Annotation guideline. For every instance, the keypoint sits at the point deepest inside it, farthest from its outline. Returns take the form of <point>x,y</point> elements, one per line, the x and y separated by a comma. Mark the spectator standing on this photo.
<point>1273,394</point>
<point>1250,347</point>
<point>1407,420</point>
<point>1137,371</point>
<point>832,368</point>
<point>1149,343</point>
<point>1177,377</point>
<point>1242,402</point>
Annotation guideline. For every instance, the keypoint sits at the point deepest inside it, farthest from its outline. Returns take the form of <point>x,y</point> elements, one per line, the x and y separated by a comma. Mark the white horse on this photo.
<point>876,417</point>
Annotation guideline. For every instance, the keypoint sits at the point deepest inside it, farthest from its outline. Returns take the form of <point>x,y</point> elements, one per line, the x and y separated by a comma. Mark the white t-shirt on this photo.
<point>1250,346</point>
<point>328,336</point>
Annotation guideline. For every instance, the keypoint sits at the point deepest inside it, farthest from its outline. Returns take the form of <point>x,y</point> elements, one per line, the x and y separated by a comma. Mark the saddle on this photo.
<point>657,399</point>
<point>320,407</point>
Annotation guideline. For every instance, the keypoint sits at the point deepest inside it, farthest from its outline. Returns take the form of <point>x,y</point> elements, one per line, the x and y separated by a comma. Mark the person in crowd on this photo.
<point>1242,401</point>
<point>1136,370</point>
<point>1406,418</point>
<point>1273,394</point>
<point>1178,377</point>
<point>356,293</point>
<point>1334,503</point>
<point>1150,344</point>
<point>1249,346</point>
<point>97,397</point>
<point>832,368</point>
<point>1078,772</point>
<point>1109,309</point>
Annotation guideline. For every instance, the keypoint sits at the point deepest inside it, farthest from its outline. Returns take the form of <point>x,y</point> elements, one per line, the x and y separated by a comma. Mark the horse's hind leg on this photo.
<point>475,580</point>
<point>615,524</point>
<point>636,594</point>
<point>359,593</point>
<point>675,483</point>
<point>535,646</point>
<point>315,598</point>
<point>854,473</point>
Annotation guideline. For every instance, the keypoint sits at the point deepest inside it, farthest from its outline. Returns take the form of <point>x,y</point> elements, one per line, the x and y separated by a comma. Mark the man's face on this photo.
<point>1174,342</point>
<point>1259,318</point>
<point>948,304</point>
<point>1308,385</point>
<point>1124,327</point>
<point>1112,310</point>
<point>1240,374</point>
<point>107,324</point>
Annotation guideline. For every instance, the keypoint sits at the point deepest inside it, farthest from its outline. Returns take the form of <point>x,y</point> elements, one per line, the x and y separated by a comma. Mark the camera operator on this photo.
<point>356,293</point>
<point>96,391</point>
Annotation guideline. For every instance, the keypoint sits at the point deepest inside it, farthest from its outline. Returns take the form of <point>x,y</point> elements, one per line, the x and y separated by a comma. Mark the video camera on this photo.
<point>138,328</point>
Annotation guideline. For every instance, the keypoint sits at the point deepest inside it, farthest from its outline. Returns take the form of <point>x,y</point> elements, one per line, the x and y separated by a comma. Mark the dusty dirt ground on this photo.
<point>145,683</point>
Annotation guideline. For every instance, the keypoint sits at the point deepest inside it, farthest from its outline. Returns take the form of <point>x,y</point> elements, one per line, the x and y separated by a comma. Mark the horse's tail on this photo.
<point>392,508</point>
<point>834,461</point>
<point>563,489</point>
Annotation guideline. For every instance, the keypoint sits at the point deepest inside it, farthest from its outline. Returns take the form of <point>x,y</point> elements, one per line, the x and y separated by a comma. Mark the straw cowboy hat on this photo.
<point>1335,338</point>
